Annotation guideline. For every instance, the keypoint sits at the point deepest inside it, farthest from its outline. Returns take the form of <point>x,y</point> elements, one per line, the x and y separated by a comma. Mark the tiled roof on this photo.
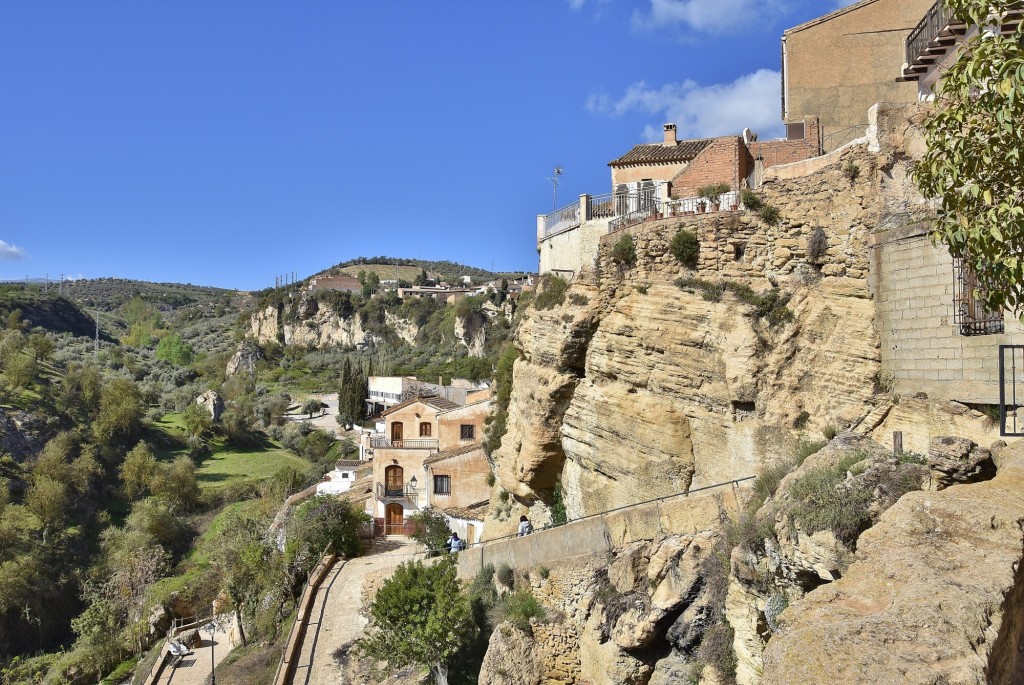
<point>350,463</point>
<point>433,401</point>
<point>474,512</point>
<point>448,454</point>
<point>683,151</point>
<point>360,491</point>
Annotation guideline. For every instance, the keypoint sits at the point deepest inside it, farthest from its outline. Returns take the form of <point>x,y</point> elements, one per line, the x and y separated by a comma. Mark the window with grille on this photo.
<point>467,431</point>
<point>442,485</point>
<point>969,313</point>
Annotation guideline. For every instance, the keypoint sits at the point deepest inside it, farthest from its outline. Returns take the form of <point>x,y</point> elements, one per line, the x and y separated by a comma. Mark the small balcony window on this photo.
<point>467,431</point>
<point>442,485</point>
<point>969,313</point>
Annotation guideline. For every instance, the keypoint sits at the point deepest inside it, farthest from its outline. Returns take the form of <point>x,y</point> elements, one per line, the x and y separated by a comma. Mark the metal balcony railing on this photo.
<point>933,23</point>
<point>600,206</point>
<point>381,441</point>
<point>562,219</point>
<point>406,491</point>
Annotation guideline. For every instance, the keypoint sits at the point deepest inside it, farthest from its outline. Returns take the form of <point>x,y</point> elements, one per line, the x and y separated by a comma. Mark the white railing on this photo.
<point>562,219</point>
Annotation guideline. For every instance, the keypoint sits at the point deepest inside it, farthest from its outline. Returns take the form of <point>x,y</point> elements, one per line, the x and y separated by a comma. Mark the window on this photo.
<point>442,485</point>
<point>344,475</point>
<point>467,431</point>
<point>969,313</point>
<point>424,430</point>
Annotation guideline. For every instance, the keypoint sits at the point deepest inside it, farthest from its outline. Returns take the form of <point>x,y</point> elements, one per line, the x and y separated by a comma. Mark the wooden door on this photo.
<point>393,476</point>
<point>470,533</point>
<point>396,433</point>
<point>393,519</point>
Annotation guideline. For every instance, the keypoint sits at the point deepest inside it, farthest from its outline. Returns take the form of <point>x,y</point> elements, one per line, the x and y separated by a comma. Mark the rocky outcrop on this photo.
<point>313,326</point>
<point>511,658</point>
<point>212,403</point>
<point>244,359</point>
<point>406,330</point>
<point>471,331</point>
<point>959,460</point>
<point>934,596</point>
<point>22,434</point>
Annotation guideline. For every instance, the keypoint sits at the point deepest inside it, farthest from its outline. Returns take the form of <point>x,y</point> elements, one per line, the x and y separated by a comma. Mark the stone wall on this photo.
<point>573,250</point>
<point>922,348</point>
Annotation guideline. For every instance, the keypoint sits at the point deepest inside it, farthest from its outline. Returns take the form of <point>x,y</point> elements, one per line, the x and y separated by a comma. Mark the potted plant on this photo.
<point>713,194</point>
<point>702,205</point>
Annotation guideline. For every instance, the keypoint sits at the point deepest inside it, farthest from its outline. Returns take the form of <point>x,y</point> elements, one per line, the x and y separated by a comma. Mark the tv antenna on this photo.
<point>554,186</point>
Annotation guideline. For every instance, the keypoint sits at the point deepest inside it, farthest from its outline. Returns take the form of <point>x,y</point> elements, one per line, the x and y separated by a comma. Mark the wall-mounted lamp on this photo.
<point>412,482</point>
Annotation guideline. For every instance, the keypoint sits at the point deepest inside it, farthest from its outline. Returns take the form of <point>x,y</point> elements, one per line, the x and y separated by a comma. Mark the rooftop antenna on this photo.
<point>554,186</point>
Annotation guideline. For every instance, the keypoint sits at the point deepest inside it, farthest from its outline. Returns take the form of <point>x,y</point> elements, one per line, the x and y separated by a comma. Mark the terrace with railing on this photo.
<point>383,442</point>
<point>658,209</point>
<point>394,491</point>
<point>938,31</point>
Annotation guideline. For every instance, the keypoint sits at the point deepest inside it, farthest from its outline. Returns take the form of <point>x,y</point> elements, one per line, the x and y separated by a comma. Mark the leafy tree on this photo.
<point>975,156</point>
<point>197,420</point>
<point>120,411</point>
<point>312,406</point>
<point>137,471</point>
<point>421,617</point>
<point>176,483</point>
<point>175,350</point>
<point>322,521</point>
<point>20,370</point>
<point>41,346</point>
<point>48,499</point>
<point>432,531</point>
<point>80,391</point>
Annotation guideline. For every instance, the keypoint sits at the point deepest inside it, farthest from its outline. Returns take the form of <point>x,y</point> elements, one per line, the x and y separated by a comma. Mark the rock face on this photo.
<point>935,595</point>
<point>636,386</point>
<point>959,460</point>
<point>511,658</point>
<point>244,359</point>
<point>211,402</point>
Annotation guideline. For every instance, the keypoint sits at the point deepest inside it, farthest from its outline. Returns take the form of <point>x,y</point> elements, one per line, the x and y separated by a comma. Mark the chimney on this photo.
<point>670,135</point>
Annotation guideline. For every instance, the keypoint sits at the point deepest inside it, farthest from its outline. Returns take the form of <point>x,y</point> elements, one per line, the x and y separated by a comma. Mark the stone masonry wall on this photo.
<point>922,348</point>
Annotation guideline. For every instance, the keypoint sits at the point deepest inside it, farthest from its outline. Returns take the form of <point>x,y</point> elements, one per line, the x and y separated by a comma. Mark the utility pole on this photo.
<point>96,348</point>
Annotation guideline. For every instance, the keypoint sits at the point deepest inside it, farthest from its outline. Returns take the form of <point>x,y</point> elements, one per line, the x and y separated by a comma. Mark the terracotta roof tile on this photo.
<point>448,454</point>
<point>436,402</point>
<point>474,512</point>
<point>683,151</point>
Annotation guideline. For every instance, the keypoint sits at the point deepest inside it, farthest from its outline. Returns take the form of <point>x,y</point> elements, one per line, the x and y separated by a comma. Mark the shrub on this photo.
<point>830,431</point>
<point>685,247</point>
<point>551,292</point>
<point>817,245</point>
<point>558,513</point>
<point>578,300</point>
<point>624,251</point>
<point>805,448</point>
<point>710,291</point>
<point>801,420</point>
<point>851,171</point>
<point>543,572</point>
<point>518,608</point>
<point>771,305</point>
<point>506,576</point>
<point>490,479</point>
<point>822,500</point>
<point>642,289</point>
<point>432,531</point>
<point>751,200</point>
<point>770,215</point>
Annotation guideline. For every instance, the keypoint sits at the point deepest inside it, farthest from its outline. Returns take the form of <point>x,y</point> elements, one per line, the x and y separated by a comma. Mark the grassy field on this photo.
<point>232,465</point>
<point>229,464</point>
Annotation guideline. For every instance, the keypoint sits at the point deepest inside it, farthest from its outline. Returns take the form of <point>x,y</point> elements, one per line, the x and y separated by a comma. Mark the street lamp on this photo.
<point>212,627</point>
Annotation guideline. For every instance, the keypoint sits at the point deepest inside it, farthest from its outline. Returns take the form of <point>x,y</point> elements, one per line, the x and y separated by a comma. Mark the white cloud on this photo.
<point>577,4</point>
<point>711,16</point>
<point>10,253</point>
<point>751,101</point>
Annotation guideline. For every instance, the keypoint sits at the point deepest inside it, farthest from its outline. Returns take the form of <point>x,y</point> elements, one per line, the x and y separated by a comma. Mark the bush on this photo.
<point>320,521</point>
<point>822,500</point>
<point>551,292</point>
<point>624,251</point>
<point>710,291</point>
<point>801,420</point>
<point>432,531</point>
<point>558,513</point>
<point>751,200</point>
<point>506,576</point>
<point>851,171</point>
<point>830,431</point>
<point>685,247</point>
<point>770,215</point>
<point>642,289</point>
<point>518,608</point>
<point>817,245</point>
<point>579,300</point>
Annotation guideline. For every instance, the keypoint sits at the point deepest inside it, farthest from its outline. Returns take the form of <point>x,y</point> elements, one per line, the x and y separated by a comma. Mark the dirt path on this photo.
<point>335,620</point>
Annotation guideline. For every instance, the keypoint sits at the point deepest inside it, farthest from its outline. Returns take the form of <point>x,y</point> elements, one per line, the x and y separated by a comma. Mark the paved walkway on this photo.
<point>195,668</point>
<point>335,620</point>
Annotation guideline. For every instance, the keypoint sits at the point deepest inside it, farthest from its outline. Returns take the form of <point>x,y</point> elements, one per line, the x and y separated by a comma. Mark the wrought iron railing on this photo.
<point>657,209</point>
<point>562,219</point>
<point>384,442</point>
<point>637,216</point>
<point>404,491</point>
<point>969,313</point>
<point>934,21</point>
<point>1011,390</point>
<point>600,206</point>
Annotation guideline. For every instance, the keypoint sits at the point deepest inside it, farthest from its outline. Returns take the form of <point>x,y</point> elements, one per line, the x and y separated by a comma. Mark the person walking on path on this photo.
<point>525,527</point>
<point>455,543</point>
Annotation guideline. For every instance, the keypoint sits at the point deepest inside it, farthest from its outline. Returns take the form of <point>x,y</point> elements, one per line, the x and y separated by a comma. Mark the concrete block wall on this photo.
<point>922,348</point>
<point>573,250</point>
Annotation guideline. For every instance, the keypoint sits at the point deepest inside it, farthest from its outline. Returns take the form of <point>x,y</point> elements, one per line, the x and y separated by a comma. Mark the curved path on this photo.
<point>335,620</point>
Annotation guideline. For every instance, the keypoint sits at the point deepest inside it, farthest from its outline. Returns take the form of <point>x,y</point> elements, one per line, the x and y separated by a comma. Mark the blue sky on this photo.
<point>221,143</point>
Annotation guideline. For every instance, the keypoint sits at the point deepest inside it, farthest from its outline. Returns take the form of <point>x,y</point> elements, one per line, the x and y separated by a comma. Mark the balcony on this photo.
<point>383,442</point>
<point>938,32</point>
<point>407,491</point>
